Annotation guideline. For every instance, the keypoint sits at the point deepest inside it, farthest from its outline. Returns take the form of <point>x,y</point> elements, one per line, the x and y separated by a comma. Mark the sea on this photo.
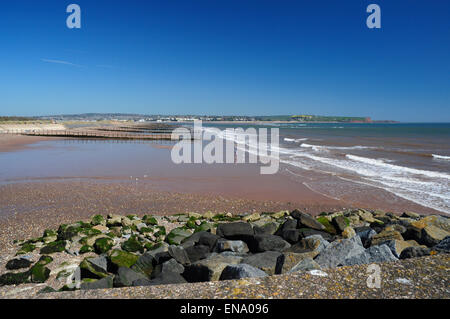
<point>410,160</point>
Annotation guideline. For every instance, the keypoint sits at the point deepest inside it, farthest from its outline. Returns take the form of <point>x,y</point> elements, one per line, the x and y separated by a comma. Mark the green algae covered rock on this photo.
<point>191,223</point>
<point>204,226</point>
<point>176,236</point>
<point>160,231</point>
<point>122,258</point>
<point>132,245</point>
<point>98,220</point>
<point>94,267</point>
<point>44,260</point>
<point>50,233</point>
<point>67,232</point>
<point>329,228</point>
<point>90,232</point>
<point>26,248</point>
<point>103,283</point>
<point>15,278</point>
<point>103,245</point>
<point>145,230</point>
<point>149,220</point>
<point>54,247</point>
<point>18,263</point>
<point>86,249</point>
<point>39,273</point>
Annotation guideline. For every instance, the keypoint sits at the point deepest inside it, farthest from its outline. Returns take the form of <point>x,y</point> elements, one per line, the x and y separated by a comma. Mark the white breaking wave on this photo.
<point>376,162</point>
<point>441,157</point>
<point>295,140</point>
<point>316,148</point>
<point>323,147</point>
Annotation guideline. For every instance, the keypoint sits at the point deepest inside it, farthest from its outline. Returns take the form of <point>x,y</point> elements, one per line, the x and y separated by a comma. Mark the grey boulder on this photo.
<point>235,231</point>
<point>103,283</point>
<point>338,251</point>
<point>374,254</point>
<point>444,245</point>
<point>262,243</point>
<point>126,276</point>
<point>414,251</point>
<point>271,262</point>
<point>306,220</point>
<point>237,246</point>
<point>241,271</point>
<point>179,254</point>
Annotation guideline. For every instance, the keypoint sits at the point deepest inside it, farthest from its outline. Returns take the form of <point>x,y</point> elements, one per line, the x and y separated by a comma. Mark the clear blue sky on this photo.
<point>227,57</point>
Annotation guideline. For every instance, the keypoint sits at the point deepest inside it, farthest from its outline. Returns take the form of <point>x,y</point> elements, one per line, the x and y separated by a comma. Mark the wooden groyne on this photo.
<point>97,134</point>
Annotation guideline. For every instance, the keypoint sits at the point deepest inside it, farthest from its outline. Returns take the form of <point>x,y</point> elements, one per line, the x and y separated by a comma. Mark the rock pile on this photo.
<point>120,251</point>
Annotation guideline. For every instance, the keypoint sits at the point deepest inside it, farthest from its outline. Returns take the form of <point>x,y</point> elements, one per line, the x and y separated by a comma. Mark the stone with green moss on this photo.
<point>132,245</point>
<point>39,273</point>
<point>103,245</point>
<point>225,218</point>
<point>26,248</point>
<point>176,236</point>
<point>50,233</point>
<point>146,230</point>
<point>191,223</point>
<point>149,246</point>
<point>70,287</point>
<point>44,260</point>
<point>126,230</point>
<point>86,249</point>
<point>340,222</point>
<point>34,240</point>
<point>111,234</point>
<point>149,220</point>
<point>54,247</point>
<point>90,232</point>
<point>93,268</point>
<point>49,239</point>
<point>329,228</point>
<point>90,240</point>
<point>67,232</point>
<point>122,258</point>
<point>159,233</point>
<point>98,220</point>
<point>15,278</point>
<point>204,226</point>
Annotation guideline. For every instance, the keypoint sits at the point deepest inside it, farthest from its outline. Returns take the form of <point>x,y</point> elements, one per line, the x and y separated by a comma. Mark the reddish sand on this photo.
<point>10,142</point>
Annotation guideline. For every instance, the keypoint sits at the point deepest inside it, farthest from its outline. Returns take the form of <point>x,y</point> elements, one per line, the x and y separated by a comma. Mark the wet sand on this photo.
<point>10,142</point>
